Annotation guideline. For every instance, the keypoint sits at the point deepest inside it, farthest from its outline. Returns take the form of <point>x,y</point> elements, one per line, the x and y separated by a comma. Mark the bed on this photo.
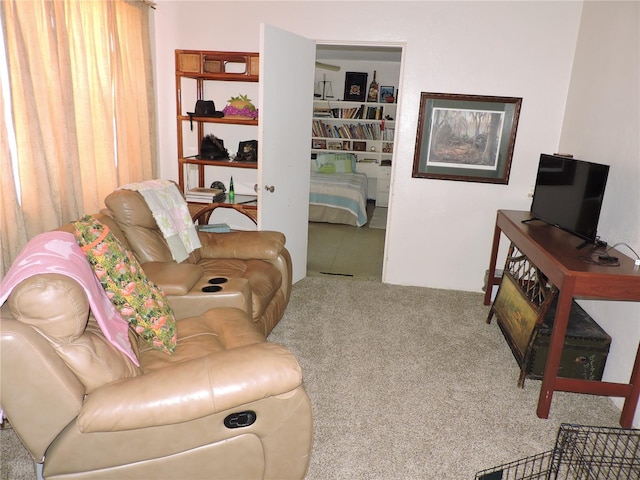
<point>337,193</point>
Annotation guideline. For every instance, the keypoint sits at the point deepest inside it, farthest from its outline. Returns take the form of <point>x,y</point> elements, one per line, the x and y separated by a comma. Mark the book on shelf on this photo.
<point>322,112</point>
<point>220,198</point>
<point>360,131</point>
<point>205,195</point>
<point>342,112</point>
<point>374,113</point>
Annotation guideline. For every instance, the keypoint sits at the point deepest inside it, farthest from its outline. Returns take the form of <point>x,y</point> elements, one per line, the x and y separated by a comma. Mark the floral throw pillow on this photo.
<point>137,299</point>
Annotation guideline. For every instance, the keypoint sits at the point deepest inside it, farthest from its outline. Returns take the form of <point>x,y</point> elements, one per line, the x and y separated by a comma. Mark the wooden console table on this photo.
<point>554,252</point>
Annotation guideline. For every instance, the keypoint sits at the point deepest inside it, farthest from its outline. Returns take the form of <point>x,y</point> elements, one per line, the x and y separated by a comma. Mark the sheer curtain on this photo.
<point>79,111</point>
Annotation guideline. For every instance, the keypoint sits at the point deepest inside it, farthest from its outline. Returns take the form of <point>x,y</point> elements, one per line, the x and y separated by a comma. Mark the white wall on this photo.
<point>440,232</point>
<point>601,124</point>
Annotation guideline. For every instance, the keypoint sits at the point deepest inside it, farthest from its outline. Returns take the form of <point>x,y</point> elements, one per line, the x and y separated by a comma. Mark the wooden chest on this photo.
<point>585,350</point>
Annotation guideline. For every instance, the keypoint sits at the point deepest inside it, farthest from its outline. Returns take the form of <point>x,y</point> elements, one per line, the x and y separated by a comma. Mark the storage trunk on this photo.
<point>585,349</point>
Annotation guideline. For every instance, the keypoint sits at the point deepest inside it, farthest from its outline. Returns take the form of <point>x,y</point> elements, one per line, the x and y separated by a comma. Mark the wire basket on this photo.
<point>580,453</point>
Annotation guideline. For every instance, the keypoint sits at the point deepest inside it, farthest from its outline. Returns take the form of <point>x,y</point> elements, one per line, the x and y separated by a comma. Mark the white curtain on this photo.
<point>79,110</point>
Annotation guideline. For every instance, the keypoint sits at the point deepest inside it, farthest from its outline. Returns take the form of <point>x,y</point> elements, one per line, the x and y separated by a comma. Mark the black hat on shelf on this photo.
<point>206,108</point>
<point>247,151</point>
<point>212,148</point>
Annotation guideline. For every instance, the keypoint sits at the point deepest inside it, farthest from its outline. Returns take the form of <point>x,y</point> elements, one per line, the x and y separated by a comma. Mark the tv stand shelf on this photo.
<point>553,252</point>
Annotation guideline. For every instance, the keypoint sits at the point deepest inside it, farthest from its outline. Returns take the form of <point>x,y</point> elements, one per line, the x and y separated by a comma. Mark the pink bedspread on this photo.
<point>58,252</point>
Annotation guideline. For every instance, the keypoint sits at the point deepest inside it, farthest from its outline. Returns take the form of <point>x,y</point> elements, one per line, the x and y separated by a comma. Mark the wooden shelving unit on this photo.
<point>210,66</point>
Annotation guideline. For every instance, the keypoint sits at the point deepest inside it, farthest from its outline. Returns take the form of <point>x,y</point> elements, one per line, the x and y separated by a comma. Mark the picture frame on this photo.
<point>467,138</point>
<point>523,300</point>
<point>318,144</point>
<point>334,145</point>
<point>355,86</point>
<point>386,94</point>
<point>359,146</point>
<point>517,316</point>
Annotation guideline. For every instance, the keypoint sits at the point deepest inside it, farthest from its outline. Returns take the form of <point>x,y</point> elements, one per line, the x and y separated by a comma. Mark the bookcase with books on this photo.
<point>364,128</point>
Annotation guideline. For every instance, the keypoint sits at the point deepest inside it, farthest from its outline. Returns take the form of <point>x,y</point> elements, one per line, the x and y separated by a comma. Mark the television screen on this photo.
<point>568,194</point>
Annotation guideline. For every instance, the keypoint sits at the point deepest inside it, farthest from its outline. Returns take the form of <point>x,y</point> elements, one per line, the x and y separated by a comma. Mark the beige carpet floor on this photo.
<point>411,383</point>
<point>406,383</point>
<point>15,462</point>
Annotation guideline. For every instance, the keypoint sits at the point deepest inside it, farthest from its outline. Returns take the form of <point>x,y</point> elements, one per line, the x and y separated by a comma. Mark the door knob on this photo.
<point>269,188</point>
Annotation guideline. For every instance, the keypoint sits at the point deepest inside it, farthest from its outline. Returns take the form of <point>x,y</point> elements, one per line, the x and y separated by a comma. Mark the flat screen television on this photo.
<point>568,194</point>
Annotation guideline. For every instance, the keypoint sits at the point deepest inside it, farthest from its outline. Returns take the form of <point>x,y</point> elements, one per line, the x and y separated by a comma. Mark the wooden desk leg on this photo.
<point>555,350</point>
<point>492,264</point>
<point>631,402</point>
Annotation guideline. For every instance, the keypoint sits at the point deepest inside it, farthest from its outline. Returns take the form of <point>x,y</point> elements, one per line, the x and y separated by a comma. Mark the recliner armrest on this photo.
<point>196,388</point>
<point>173,278</point>
<point>261,245</point>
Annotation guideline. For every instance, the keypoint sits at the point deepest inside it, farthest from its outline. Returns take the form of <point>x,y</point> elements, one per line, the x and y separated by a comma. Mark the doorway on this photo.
<point>345,251</point>
<point>334,248</point>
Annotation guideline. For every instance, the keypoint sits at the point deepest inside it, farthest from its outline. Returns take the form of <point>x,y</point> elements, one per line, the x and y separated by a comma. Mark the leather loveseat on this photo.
<point>226,405</point>
<point>257,265</point>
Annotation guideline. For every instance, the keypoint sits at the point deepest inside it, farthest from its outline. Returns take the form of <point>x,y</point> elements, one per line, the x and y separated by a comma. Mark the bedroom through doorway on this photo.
<point>357,121</point>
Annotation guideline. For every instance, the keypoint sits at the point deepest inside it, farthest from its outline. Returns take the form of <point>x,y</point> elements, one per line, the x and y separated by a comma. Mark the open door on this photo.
<point>286,107</point>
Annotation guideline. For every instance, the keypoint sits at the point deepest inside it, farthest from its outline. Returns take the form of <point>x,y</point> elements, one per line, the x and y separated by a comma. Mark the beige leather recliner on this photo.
<point>227,405</point>
<point>256,264</point>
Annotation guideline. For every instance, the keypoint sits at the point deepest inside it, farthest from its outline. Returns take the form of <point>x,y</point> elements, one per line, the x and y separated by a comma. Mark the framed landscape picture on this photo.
<point>466,137</point>
<point>517,316</point>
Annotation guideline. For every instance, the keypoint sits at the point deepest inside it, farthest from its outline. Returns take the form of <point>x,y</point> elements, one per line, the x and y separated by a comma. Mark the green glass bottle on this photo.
<point>232,193</point>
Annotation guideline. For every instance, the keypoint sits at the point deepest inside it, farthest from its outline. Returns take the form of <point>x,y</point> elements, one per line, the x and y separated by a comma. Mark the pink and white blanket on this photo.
<point>58,252</point>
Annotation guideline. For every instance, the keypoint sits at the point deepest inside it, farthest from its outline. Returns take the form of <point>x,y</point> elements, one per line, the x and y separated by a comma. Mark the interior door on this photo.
<point>286,106</point>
